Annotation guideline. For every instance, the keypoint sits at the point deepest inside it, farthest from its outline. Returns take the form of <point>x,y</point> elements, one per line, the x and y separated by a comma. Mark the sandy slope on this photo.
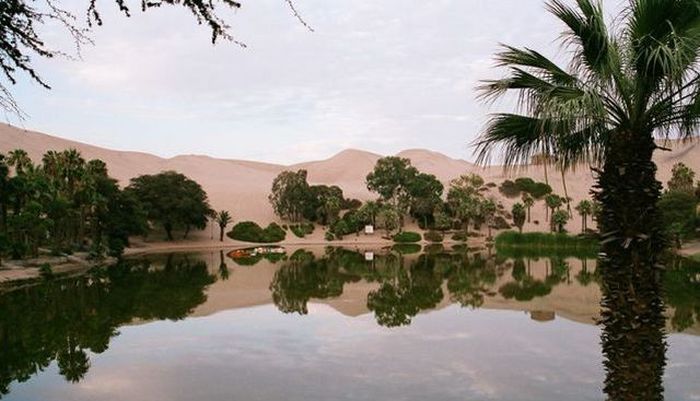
<point>243,186</point>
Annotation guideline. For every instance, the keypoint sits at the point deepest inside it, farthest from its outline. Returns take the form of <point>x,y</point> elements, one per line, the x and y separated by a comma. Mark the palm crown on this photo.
<point>636,79</point>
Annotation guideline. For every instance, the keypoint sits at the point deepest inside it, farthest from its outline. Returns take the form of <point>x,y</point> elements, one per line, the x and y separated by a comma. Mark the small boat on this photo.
<point>252,252</point>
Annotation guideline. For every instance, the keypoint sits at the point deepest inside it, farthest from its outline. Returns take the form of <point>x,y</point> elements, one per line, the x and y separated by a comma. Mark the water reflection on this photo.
<point>64,319</point>
<point>396,286</point>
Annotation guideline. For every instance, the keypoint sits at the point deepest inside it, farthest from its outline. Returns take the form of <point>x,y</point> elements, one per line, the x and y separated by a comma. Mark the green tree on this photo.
<point>172,201</point>
<point>584,209</point>
<point>682,179</point>
<point>465,198</point>
<point>529,202</point>
<point>223,219</point>
<point>426,195</point>
<point>389,219</point>
<point>553,202</point>
<point>559,220</point>
<point>290,192</point>
<point>624,88</point>
<point>678,209</point>
<point>391,179</point>
<point>519,215</point>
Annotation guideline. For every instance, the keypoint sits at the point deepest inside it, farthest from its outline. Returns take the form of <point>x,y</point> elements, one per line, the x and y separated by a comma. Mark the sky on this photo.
<point>382,76</point>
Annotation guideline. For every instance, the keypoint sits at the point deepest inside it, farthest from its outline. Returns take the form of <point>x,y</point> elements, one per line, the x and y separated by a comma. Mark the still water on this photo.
<point>348,324</point>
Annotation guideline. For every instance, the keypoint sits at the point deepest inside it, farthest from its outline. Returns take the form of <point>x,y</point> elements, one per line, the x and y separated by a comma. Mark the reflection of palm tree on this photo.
<point>73,363</point>
<point>223,268</point>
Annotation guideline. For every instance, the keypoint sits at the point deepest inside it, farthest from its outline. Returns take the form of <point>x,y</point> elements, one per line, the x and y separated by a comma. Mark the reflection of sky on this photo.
<point>260,354</point>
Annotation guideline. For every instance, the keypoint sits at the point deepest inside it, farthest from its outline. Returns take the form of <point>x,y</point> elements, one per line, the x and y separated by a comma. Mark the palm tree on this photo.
<point>584,209</point>
<point>624,88</point>
<point>529,202</point>
<point>552,202</point>
<point>223,219</point>
<point>19,159</point>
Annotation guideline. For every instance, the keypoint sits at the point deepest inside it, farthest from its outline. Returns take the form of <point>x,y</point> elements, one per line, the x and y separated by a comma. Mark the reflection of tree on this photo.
<point>682,290</point>
<point>633,338</point>
<point>585,276</point>
<point>302,278</point>
<point>470,279</point>
<point>223,268</point>
<point>64,319</point>
<point>407,293</point>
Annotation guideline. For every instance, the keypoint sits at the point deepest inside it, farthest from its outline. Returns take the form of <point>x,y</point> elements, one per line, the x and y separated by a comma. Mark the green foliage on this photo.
<point>391,178</point>
<point>290,191</point>
<point>433,236</point>
<point>352,222</point>
<point>407,236</point>
<point>512,243</point>
<point>460,236</point>
<point>223,219</point>
<point>519,215</point>
<point>537,190</point>
<point>678,210</point>
<point>249,231</point>
<point>407,249</point>
<point>302,230</point>
<point>682,179</point>
<point>45,271</point>
<point>329,236</point>
<point>559,220</point>
<point>64,203</point>
<point>172,201</point>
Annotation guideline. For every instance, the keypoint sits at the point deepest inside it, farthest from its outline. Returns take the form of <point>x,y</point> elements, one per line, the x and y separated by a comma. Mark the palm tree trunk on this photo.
<point>632,271</point>
<point>221,234</point>
<point>566,191</point>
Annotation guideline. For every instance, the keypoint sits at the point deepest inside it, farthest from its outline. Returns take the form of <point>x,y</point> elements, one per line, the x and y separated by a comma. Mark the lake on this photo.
<point>350,324</point>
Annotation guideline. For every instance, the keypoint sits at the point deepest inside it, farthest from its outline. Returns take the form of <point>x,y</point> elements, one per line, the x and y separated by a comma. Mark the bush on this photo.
<point>329,236</point>
<point>514,243</point>
<point>434,248</point>
<point>407,249</point>
<point>302,230</point>
<point>433,236</point>
<point>510,189</point>
<point>459,236</point>
<point>249,231</point>
<point>407,237</point>
<point>536,189</point>
<point>45,271</point>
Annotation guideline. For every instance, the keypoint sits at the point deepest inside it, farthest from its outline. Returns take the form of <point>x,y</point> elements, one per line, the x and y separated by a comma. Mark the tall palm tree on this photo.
<point>625,87</point>
<point>584,209</point>
<point>529,202</point>
<point>223,219</point>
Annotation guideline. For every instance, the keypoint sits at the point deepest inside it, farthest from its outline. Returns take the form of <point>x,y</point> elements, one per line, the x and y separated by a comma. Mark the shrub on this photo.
<point>512,242</point>
<point>510,189</point>
<point>459,236</point>
<point>407,237</point>
<point>407,249</point>
<point>249,231</point>
<point>45,271</point>
<point>536,189</point>
<point>329,236</point>
<point>433,236</point>
<point>302,230</point>
<point>434,248</point>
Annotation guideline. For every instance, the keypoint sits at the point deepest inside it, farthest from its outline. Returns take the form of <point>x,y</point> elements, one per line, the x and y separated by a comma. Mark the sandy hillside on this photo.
<point>243,186</point>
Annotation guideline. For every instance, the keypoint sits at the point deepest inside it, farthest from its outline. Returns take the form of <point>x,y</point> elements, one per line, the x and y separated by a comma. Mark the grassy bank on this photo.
<point>511,243</point>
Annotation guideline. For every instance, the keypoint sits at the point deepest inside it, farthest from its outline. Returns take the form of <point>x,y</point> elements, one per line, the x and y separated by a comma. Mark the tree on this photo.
<point>553,202</point>
<point>290,191</point>
<point>584,209</point>
<point>172,200</point>
<point>682,179</point>
<point>391,178</point>
<point>519,215</point>
<point>624,88</point>
<point>223,219</point>
<point>426,195</point>
<point>678,209</point>
<point>559,220</point>
<point>369,211</point>
<point>465,198</point>
<point>529,202</point>
<point>443,220</point>
<point>488,209</point>
<point>388,218</point>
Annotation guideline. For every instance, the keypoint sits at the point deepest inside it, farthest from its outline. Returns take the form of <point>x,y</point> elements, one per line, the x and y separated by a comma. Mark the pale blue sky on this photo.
<point>376,75</point>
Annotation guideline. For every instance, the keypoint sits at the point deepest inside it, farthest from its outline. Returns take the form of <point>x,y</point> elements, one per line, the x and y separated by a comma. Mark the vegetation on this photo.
<point>407,237</point>
<point>584,209</point>
<point>525,186</point>
<point>519,215</point>
<point>66,204</point>
<point>433,236</point>
<point>249,231</point>
<point>538,242</point>
<point>172,201</point>
<point>223,219</point>
<point>302,230</point>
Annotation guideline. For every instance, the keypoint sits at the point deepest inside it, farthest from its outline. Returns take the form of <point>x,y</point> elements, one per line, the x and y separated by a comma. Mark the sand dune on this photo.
<point>243,186</point>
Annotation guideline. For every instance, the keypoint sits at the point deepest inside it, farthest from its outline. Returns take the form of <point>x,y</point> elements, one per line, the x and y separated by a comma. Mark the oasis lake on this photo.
<point>345,324</point>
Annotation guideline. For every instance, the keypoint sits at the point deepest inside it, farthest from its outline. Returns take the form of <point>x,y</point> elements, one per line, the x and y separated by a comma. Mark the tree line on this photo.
<point>66,203</point>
